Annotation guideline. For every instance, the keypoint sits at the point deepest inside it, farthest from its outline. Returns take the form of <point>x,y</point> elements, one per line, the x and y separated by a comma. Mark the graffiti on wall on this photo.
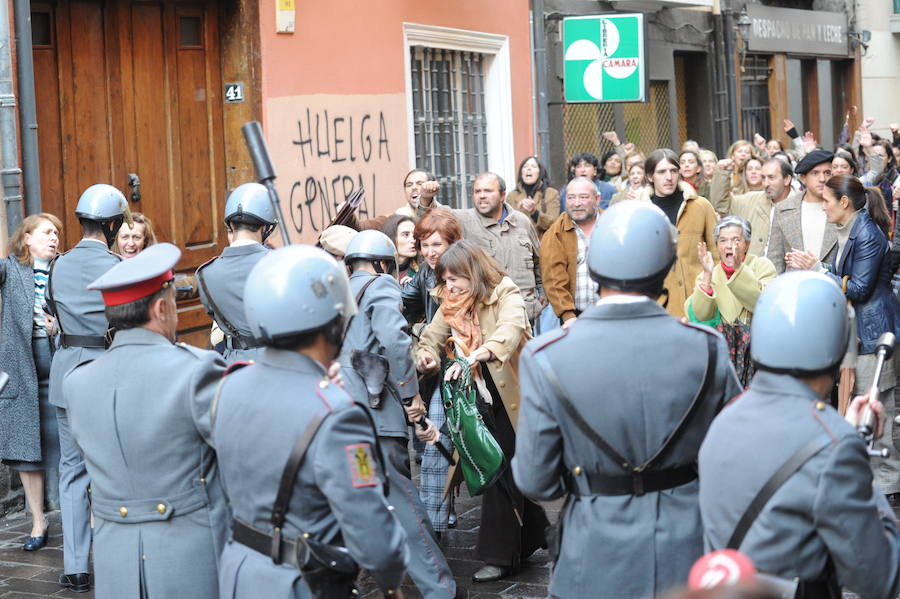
<point>338,150</point>
<point>324,146</point>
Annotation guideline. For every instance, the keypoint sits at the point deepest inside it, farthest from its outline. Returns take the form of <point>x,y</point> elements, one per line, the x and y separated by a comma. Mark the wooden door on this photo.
<point>131,90</point>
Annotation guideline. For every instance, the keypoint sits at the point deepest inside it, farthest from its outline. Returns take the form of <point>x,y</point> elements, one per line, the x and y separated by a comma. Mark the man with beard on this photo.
<point>564,248</point>
<point>507,235</point>
<point>756,207</point>
<point>801,235</point>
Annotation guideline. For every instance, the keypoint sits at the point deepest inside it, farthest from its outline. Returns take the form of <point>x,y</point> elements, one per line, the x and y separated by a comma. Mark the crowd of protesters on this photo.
<point>514,264</point>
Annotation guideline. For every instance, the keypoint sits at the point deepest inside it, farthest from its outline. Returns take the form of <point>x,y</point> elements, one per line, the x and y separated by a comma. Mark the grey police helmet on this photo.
<point>250,199</point>
<point>101,202</point>
<point>373,246</point>
<point>294,290</point>
<point>799,324</point>
<point>370,245</point>
<point>632,247</point>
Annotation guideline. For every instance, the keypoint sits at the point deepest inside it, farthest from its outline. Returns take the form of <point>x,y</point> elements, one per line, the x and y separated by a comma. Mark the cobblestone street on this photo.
<point>32,575</point>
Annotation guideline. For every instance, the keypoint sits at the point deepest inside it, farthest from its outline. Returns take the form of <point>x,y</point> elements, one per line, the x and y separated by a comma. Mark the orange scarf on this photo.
<point>458,309</point>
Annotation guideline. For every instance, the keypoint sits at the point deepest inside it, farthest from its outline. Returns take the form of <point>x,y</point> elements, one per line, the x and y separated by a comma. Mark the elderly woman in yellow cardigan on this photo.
<point>726,293</point>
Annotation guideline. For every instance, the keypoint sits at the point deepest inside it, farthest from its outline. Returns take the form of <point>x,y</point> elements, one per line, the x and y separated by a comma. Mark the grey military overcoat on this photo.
<point>79,311</point>
<point>631,370</point>
<point>20,428</point>
<point>379,327</point>
<point>827,508</point>
<point>224,278</point>
<point>260,413</point>
<point>140,415</point>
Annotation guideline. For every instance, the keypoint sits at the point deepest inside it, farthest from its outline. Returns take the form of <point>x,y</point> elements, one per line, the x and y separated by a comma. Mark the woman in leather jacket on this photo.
<point>864,273</point>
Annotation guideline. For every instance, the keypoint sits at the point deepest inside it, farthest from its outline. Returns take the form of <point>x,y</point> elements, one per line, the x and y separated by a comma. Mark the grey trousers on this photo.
<point>74,505</point>
<point>886,471</point>
<point>427,566</point>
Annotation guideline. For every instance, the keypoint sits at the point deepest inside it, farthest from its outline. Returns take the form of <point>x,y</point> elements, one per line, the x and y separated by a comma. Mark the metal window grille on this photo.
<point>450,126</point>
<point>755,97</point>
<point>583,127</point>
<point>647,124</point>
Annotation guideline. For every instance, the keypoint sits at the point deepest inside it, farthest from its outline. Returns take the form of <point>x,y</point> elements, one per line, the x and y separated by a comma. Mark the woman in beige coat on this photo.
<point>483,310</point>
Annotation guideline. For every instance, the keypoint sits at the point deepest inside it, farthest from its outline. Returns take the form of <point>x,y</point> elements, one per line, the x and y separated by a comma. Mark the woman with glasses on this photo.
<point>726,293</point>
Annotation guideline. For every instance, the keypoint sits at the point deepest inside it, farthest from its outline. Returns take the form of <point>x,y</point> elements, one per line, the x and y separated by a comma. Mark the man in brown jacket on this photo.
<point>691,214</point>
<point>564,247</point>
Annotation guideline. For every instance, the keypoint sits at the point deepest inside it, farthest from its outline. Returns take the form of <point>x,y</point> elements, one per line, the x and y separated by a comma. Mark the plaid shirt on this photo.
<point>585,288</point>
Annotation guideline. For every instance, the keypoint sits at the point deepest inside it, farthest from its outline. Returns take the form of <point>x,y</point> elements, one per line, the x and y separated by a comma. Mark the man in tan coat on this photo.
<point>692,215</point>
<point>756,207</point>
<point>564,247</point>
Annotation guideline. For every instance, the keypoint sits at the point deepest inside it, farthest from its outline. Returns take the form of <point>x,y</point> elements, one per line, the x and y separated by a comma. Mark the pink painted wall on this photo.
<point>348,57</point>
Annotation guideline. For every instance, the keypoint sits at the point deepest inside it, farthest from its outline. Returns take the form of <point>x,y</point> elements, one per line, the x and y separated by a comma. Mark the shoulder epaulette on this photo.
<point>550,338</point>
<point>698,326</point>
<point>207,263</point>
<point>194,351</point>
<point>235,366</point>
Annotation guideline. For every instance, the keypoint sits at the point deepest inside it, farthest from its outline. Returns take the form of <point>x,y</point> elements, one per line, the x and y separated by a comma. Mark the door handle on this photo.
<point>134,182</point>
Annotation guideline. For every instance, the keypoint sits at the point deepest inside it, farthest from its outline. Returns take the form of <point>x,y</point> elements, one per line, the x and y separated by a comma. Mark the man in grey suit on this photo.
<point>162,516</point>
<point>800,235</point>
<point>313,478</point>
<point>250,219</point>
<point>506,234</point>
<point>378,335</point>
<point>83,328</point>
<point>614,408</point>
<point>783,477</point>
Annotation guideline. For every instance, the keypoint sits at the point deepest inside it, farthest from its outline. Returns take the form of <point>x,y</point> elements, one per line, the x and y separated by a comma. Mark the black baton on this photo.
<point>265,172</point>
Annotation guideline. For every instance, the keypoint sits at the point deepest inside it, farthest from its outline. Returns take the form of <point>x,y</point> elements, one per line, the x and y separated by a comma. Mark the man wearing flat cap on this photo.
<point>139,413</point>
<point>801,235</point>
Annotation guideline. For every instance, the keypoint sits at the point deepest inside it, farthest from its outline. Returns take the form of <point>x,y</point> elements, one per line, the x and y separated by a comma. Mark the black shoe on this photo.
<point>451,517</point>
<point>35,543</point>
<point>77,583</point>
<point>461,593</point>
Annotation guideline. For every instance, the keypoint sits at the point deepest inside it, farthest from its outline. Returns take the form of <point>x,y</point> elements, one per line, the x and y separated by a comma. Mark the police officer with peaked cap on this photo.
<point>284,408</point>
<point>614,408</point>
<point>82,324</point>
<point>250,220</point>
<point>139,412</point>
<point>821,521</point>
<point>379,333</point>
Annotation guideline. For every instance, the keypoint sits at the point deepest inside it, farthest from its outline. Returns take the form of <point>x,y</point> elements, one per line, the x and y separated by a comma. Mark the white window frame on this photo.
<point>497,89</point>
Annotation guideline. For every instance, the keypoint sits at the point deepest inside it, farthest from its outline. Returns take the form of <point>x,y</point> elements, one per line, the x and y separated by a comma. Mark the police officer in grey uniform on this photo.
<point>250,219</point>
<point>297,304</point>
<point>83,335</point>
<point>783,450</point>
<point>160,508</point>
<point>614,408</point>
<point>378,338</point>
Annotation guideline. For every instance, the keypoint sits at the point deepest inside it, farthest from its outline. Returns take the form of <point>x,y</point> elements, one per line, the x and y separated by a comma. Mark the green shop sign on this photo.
<point>605,58</point>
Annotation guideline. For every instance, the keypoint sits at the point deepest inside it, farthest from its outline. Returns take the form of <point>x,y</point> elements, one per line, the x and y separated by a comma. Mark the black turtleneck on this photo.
<point>669,204</point>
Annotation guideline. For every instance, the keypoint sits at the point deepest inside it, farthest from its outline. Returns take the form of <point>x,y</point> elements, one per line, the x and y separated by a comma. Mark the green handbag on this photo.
<point>481,458</point>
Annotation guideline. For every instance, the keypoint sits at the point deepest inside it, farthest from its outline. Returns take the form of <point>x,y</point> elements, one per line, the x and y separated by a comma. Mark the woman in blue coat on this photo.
<point>862,270</point>
<point>29,441</point>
